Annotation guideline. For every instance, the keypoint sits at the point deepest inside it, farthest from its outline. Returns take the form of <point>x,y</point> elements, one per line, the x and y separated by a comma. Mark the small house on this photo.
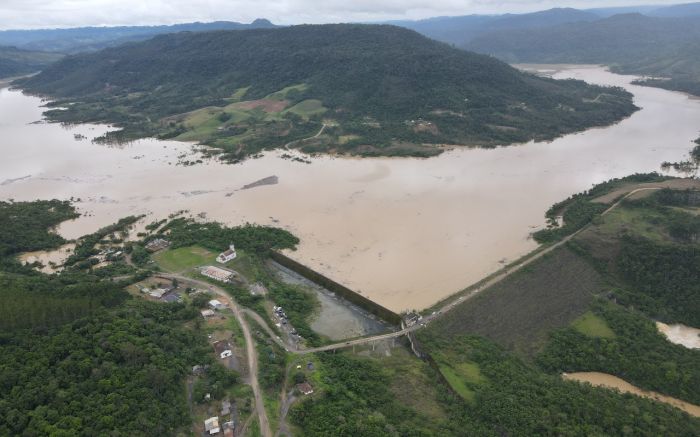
<point>207,313</point>
<point>305,388</point>
<point>157,244</point>
<point>223,349</point>
<point>227,256</point>
<point>215,304</point>
<point>211,425</point>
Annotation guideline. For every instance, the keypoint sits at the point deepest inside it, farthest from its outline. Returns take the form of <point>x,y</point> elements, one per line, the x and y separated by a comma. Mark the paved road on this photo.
<point>250,347</point>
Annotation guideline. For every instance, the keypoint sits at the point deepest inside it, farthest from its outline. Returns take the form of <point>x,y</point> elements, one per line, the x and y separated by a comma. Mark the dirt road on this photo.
<point>251,350</point>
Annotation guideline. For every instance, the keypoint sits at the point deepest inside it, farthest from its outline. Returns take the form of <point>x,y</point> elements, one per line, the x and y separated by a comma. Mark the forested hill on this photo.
<point>631,43</point>
<point>460,30</point>
<point>361,76</point>
<point>15,62</point>
<point>81,39</point>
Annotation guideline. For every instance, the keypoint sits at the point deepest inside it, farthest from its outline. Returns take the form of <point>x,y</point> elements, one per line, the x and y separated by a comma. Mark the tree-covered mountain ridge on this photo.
<point>378,89</point>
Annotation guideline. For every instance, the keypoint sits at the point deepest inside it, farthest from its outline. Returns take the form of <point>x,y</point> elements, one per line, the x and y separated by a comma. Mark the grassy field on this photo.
<point>593,326</point>
<point>411,383</point>
<point>463,377</point>
<point>184,258</point>
<point>307,108</point>
<point>520,311</point>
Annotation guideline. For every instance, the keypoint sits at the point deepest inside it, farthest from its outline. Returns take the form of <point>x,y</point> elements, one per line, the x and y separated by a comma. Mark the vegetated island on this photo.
<point>364,90</point>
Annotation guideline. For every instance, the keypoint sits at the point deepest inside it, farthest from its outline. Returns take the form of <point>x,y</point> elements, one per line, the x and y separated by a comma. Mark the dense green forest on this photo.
<point>667,47</point>
<point>115,373</point>
<point>26,225</point>
<point>17,62</point>
<point>357,401</point>
<point>78,355</point>
<point>254,239</point>
<point>381,89</point>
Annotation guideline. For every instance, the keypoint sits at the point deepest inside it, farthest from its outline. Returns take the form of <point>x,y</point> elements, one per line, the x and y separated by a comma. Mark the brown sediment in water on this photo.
<point>604,380</point>
<point>680,334</point>
<point>48,258</point>
<point>404,232</point>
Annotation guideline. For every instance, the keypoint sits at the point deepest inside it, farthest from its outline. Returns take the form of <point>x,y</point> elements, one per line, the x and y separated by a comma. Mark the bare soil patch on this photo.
<point>676,184</point>
<point>266,105</point>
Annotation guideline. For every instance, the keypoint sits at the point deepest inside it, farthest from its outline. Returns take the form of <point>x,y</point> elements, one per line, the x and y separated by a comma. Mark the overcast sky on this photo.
<point>18,14</point>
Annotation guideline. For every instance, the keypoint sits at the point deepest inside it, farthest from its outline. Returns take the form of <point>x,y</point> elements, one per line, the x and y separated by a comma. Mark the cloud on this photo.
<point>15,14</point>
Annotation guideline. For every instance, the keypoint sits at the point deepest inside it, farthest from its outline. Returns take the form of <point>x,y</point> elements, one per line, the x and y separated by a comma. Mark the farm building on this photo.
<point>215,304</point>
<point>161,291</point>
<point>227,256</point>
<point>217,273</point>
<point>211,425</point>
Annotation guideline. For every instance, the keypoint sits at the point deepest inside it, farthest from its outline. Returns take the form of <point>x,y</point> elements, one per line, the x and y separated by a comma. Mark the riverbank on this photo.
<point>405,233</point>
<point>609,381</point>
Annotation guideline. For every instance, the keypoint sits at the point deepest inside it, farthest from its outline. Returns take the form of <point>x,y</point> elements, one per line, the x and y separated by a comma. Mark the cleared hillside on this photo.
<point>381,90</point>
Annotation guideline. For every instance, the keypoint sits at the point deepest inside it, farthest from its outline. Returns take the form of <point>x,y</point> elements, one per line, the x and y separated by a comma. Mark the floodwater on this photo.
<point>610,381</point>
<point>50,260</point>
<point>403,232</point>
<point>681,334</point>
<point>336,318</point>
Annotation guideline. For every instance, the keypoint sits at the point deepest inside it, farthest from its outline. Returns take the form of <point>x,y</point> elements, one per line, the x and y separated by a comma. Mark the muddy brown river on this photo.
<point>404,232</point>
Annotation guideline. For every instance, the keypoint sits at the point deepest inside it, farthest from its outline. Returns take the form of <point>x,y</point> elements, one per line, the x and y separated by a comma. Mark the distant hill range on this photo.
<point>379,90</point>
<point>17,62</point>
<point>646,40</point>
<point>81,39</point>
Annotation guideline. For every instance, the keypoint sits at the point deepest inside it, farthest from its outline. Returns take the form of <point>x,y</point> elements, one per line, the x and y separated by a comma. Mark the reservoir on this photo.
<point>403,232</point>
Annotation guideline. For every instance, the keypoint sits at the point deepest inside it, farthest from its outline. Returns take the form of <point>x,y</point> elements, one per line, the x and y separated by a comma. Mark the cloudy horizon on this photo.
<point>34,14</point>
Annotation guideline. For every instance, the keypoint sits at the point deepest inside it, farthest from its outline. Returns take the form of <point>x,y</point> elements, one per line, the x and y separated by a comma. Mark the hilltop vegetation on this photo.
<point>380,90</point>
<point>85,39</point>
<point>16,62</point>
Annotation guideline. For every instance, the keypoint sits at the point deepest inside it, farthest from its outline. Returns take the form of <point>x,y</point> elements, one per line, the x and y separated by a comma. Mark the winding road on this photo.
<point>251,350</point>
